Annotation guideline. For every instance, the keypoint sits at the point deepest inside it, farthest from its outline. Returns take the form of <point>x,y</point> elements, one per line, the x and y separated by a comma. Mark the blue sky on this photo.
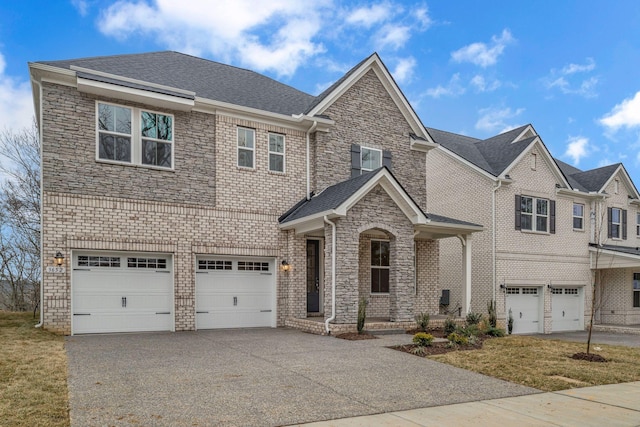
<point>571,68</point>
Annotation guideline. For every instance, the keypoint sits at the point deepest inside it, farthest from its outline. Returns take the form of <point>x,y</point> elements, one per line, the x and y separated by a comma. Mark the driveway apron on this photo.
<point>256,377</point>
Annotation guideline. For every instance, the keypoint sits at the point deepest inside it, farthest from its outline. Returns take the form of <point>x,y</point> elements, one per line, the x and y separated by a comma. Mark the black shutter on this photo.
<point>518,218</point>
<point>609,227</point>
<point>355,160</point>
<point>386,159</point>
<point>624,224</point>
<point>552,216</point>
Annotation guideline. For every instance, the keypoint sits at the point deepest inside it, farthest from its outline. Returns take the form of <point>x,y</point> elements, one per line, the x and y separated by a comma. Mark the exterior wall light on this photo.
<point>285,266</point>
<point>59,258</point>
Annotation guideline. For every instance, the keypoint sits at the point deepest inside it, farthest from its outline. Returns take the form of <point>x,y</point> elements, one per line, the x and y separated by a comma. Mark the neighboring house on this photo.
<point>542,219</point>
<point>186,194</point>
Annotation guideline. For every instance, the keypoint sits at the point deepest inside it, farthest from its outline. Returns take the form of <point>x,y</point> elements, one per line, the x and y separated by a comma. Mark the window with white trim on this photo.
<point>534,214</point>
<point>380,254</point>
<point>578,216</point>
<point>636,289</point>
<point>276,152</point>
<point>616,222</point>
<point>134,136</point>
<point>246,147</point>
<point>371,158</point>
<point>638,224</point>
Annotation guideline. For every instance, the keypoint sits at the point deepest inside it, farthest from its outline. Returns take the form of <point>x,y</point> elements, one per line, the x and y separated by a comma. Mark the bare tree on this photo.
<point>20,218</point>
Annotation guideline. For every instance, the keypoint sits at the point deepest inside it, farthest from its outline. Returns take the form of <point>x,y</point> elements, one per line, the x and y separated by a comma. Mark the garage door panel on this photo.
<point>107,322</point>
<point>525,306</point>
<point>566,309</point>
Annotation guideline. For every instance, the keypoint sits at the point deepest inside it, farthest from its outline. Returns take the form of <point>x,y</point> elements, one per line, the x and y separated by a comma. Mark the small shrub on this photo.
<point>449,326</point>
<point>493,317</point>
<point>510,322</point>
<point>468,330</point>
<point>495,332</point>
<point>422,339</point>
<point>422,319</point>
<point>473,318</point>
<point>457,339</point>
<point>362,313</point>
<point>418,351</point>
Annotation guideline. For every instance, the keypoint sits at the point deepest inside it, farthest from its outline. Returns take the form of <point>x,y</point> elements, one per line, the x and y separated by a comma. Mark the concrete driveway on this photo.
<point>256,377</point>
<point>597,337</point>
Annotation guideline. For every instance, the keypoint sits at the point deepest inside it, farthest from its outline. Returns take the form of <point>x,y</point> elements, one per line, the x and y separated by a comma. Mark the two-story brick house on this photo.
<point>180,194</point>
<point>541,216</point>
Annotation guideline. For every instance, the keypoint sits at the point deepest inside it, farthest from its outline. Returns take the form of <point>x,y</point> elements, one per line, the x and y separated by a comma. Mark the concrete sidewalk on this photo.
<point>608,405</point>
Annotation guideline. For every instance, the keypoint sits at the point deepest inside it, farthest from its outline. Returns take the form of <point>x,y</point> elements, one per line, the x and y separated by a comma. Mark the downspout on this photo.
<point>493,232</point>
<point>333,275</point>
<point>592,221</point>
<point>39,325</point>
<point>311,129</point>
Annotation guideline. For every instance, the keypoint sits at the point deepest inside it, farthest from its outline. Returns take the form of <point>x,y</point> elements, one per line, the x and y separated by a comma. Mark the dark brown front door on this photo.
<point>313,276</point>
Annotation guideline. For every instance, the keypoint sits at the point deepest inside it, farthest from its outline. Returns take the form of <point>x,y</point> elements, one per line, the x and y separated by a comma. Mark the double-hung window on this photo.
<point>638,224</point>
<point>578,216</point>
<point>380,251</point>
<point>616,219</point>
<point>371,158</point>
<point>636,289</point>
<point>246,147</point>
<point>135,136</point>
<point>276,152</point>
<point>534,214</point>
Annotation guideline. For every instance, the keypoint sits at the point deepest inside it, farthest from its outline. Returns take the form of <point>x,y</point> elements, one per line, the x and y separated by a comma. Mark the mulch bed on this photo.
<point>440,347</point>
<point>589,357</point>
<point>438,333</point>
<point>354,336</point>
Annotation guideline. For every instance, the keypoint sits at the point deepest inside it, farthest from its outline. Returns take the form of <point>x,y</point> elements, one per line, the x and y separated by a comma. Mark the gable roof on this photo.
<point>207,79</point>
<point>337,199</point>
<point>595,180</point>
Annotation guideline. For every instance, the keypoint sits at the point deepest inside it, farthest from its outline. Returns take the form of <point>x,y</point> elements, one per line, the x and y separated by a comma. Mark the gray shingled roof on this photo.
<point>595,179</point>
<point>621,249</point>
<point>332,197</point>
<point>492,155</point>
<point>208,79</point>
<point>568,171</point>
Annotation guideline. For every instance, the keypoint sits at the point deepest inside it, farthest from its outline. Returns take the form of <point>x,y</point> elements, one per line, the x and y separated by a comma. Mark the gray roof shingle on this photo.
<point>622,249</point>
<point>208,79</point>
<point>595,179</point>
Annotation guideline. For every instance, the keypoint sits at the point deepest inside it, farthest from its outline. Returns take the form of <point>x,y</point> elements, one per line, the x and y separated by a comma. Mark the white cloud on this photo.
<point>482,54</point>
<point>577,148</point>
<point>453,88</point>
<point>480,84</point>
<point>624,115</point>
<point>495,119</point>
<point>81,6</point>
<point>562,79</point>
<point>273,36</point>
<point>404,69</point>
<point>16,104</point>
<point>577,68</point>
<point>422,16</point>
<point>369,16</point>
<point>392,36</point>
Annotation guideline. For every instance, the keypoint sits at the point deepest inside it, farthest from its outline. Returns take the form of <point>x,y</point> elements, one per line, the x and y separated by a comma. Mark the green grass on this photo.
<point>33,374</point>
<point>547,364</point>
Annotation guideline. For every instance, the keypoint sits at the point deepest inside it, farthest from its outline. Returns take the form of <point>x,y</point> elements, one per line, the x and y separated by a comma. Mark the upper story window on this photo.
<point>380,251</point>
<point>246,147</point>
<point>638,224</point>
<point>133,135</point>
<point>617,223</point>
<point>276,152</point>
<point>535,214</point>
<point>578,216</point>
<point>371,158</point>
<point>636,289</point>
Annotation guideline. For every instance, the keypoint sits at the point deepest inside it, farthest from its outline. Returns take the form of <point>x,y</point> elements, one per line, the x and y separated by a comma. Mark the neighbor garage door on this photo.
<point>235,292</point>
<point>120,292</point>
<point>566,308</point>
<point>525,304</point>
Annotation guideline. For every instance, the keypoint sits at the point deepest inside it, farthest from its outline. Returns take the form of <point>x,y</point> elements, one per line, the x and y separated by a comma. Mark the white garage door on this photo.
<point>235,293</point>
<point>525,304</point>
<point>566,308</point>
<point>115,292</point>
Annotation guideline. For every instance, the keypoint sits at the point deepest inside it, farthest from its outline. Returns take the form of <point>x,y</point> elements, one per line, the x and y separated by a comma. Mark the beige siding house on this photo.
<point>183,194</point>
<point>545,224</point>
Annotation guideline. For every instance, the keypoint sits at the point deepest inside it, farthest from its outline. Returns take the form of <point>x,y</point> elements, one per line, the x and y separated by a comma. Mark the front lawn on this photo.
<point>547,364</point>
<point>33,374</point>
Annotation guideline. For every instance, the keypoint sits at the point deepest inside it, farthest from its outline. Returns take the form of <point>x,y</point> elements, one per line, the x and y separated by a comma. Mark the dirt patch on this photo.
<point>354,336</point>
<point>569,380</point>
<point>590,357</point>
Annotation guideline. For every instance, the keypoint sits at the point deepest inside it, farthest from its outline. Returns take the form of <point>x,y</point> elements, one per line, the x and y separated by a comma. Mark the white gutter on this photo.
<point>333,275</point>
<point>311,129</point>
<point>493,232</point>
<point>39,325</point>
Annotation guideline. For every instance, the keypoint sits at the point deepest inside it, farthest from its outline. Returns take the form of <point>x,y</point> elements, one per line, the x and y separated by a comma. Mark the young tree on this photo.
<point>20,218</point>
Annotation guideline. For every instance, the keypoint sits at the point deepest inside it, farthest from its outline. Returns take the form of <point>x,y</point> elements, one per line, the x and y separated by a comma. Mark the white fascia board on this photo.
<point>625,177</point>
<point>527,129</point>
<point>552,164</point>
<point>47,73</point>
<point>577,193</point>
<point>468,164</point>
<point>448,228</point>
<point>374,63</point>
<point>423,146</point>
<point>135,95</point>
<point>309,223</point>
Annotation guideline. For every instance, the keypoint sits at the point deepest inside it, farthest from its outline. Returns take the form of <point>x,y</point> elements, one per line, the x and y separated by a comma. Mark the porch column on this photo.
<point>466,273</point>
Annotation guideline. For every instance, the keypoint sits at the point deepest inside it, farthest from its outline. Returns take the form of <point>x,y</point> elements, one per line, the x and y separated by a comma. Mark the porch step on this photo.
<point>385,331</point>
